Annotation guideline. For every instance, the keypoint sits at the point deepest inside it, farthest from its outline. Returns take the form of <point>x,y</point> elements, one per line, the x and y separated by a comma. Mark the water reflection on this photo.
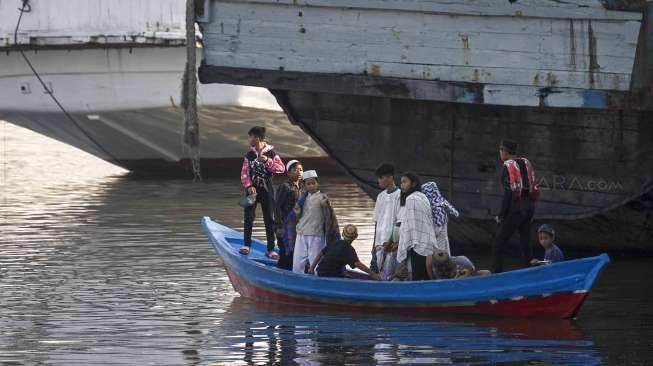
<point>281,334</point>
<point>100,268</point>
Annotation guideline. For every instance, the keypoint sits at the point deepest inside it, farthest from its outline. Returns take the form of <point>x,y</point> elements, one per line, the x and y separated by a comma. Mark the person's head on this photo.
<point>443,266</point>
<point>546,235</point>
<point>349,233</point>
<point>256,135</point>
<point>410,183</point>
<point>507,149</point>
<point>385,175</point>
<point>311,182</point>
<point>295,170</point>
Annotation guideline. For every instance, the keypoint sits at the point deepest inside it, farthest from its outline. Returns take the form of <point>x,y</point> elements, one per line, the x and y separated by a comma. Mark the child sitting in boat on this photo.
<point>316,223</point>
<point>546,236</point>
<point>443,266</point>
<point>333,259</point>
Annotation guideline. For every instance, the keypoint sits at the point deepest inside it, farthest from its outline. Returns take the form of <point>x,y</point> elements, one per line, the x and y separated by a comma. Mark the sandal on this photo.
<point>272,255</point>
<point>244,250</point>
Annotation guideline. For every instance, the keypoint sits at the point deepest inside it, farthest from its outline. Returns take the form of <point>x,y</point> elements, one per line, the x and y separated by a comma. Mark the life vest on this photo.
<point>515,179</point>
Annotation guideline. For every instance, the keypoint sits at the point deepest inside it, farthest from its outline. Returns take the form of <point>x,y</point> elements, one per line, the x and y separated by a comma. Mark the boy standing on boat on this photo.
<point>260,164</point>
<point>286,197</point>
<point>316,223</point>
<point>385,217</point>
<point>519,196</point>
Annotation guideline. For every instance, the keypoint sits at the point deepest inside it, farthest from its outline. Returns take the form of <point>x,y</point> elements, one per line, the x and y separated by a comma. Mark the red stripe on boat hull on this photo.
<point>559,306</point>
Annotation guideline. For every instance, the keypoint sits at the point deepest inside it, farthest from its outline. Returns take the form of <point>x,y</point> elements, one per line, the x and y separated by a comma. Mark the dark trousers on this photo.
<point>266,200</point>
<point>285,258</point>
<point>518,219</point>
<point>418,266</point>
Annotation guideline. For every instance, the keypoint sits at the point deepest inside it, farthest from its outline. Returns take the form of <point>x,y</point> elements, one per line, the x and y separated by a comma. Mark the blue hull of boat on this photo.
<point>552,291</point>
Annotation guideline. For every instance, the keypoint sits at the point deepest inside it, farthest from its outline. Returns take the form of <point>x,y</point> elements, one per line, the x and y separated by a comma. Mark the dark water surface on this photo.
<point>99,268</point>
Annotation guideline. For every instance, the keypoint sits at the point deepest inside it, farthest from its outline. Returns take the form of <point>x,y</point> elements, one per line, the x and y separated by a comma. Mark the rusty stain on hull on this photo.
<point>594,64</point>
<point>572,45</point>
<point>375,70</point>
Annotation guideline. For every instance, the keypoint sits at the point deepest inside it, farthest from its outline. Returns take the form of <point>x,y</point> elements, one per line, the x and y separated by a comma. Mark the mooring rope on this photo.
<point>189,94</point>
<point>26,8</point>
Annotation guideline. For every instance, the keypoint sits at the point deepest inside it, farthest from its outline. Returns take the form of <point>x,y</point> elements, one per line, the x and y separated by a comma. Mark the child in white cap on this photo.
<point>285,200</point>
<point>316,223</point>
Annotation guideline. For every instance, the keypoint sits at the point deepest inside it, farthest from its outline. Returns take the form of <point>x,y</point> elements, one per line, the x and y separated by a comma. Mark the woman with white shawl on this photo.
<point>416,235</point>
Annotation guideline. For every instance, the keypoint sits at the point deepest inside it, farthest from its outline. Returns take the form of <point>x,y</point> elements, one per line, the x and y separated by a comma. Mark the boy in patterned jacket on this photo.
<point>260,164</point>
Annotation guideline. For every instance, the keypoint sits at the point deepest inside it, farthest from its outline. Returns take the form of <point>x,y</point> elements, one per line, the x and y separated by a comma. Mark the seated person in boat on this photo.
<point>444,266</point>
<point>440,211</point>
<point>285,200</point>
<point>416,236</point>
<point>259,165</point>
<point>332,260</point>
<point>316,223</point>
<point>384,250</point>
<point>546,236</point>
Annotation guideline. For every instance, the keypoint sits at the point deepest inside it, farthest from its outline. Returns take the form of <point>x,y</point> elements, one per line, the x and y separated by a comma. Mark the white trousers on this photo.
<point>307,248</point>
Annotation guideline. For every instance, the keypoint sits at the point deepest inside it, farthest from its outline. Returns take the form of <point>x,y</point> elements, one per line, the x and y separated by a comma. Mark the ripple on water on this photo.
<point>99,268</point>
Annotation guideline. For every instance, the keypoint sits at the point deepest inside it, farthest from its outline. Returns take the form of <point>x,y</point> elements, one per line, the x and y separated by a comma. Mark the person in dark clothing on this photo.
<point>333,259</point>
<point>552,253</point>
<point>259,165</point>
<point>286,197</point>
<point>518,205</point>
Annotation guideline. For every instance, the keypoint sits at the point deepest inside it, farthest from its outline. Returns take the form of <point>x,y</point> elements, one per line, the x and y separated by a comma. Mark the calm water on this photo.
<point>99,268</point>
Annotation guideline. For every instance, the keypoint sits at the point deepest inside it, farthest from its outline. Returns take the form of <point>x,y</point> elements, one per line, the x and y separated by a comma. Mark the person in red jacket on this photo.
<point>260,164</point>
<point>520,194</point>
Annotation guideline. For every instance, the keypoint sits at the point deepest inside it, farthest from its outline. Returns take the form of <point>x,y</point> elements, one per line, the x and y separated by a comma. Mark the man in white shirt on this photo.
<point>384,252</point>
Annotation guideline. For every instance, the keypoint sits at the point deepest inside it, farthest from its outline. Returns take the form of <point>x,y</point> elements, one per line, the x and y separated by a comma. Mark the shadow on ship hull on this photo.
<point>594,166</point>
<point>148,141</point>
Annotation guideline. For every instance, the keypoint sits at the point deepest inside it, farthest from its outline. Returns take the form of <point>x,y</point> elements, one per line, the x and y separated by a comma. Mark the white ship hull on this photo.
<point>127,99</point>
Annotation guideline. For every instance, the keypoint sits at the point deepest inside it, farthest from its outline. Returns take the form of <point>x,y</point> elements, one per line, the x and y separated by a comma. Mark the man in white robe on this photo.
<point>385,218</point>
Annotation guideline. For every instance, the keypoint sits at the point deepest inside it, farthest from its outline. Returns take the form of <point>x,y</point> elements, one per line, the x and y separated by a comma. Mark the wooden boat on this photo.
<point>553,291</point>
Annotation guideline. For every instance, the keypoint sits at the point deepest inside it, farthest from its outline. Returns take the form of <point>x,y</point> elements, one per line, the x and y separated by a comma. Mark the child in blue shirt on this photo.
<point>546,237</point>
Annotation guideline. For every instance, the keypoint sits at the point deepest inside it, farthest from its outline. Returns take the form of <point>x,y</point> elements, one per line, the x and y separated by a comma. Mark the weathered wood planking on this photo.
<point>583,9</point>
<point>562,53</point>
<point>510,53</point>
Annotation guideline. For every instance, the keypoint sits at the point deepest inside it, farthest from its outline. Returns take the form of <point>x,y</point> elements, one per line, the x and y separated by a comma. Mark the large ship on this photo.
<point>116,69</point>
<point>433,86</point>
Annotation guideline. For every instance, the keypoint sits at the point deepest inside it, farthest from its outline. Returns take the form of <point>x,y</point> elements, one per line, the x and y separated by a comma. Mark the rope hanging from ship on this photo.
<point>189,95</point>
<point>27,8</point>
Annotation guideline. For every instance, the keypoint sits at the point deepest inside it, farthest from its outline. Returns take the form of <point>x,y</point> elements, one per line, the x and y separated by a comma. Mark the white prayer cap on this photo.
<point>290,164</point>
<point>309,174</point>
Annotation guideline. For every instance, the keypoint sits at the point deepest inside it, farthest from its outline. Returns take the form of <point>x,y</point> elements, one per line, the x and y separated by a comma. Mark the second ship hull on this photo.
<point>127,101</point>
